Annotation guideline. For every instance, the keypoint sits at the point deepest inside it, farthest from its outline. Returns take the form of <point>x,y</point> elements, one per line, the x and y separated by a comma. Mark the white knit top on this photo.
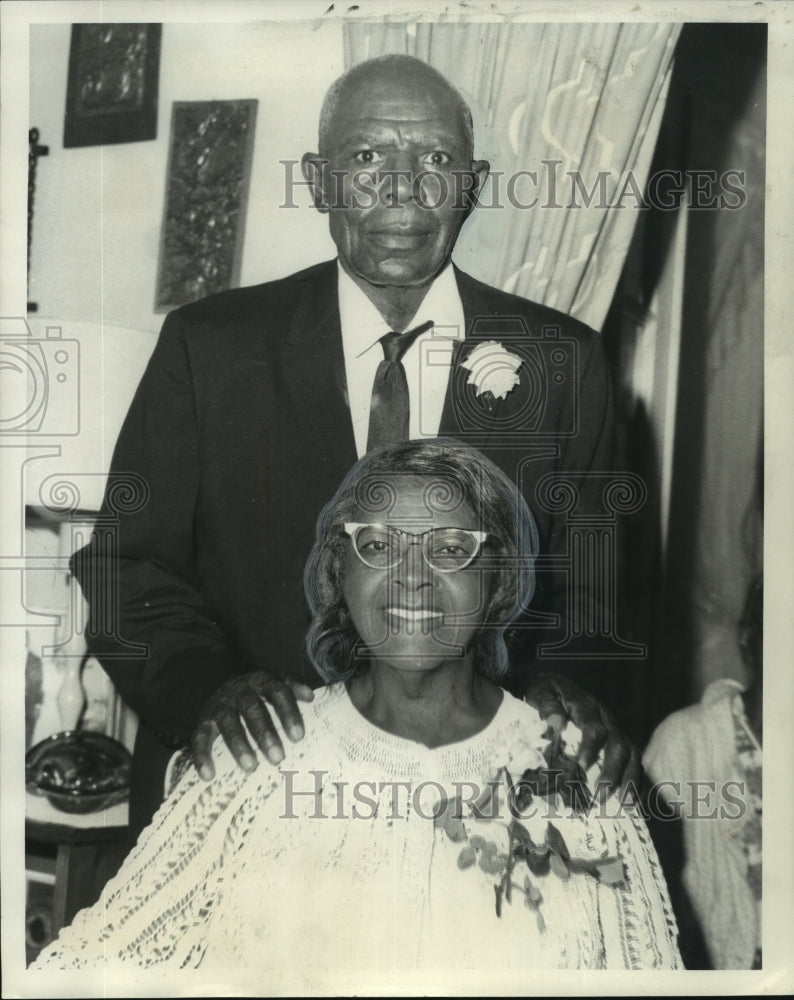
<point>692,756</point>
<point>334,862</point>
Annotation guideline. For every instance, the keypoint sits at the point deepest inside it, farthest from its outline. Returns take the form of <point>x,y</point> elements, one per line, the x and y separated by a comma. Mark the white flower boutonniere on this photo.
<point>493,369</point>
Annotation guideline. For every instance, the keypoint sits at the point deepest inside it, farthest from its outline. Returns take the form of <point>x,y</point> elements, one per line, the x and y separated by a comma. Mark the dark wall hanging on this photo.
<point>112,89</point>
<point>209,168</point>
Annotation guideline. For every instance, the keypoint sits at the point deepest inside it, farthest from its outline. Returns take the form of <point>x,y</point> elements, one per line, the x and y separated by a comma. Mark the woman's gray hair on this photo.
<point>332,639</point>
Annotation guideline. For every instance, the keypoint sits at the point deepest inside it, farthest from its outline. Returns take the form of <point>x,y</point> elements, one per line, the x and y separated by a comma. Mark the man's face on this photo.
<point>399,162</point>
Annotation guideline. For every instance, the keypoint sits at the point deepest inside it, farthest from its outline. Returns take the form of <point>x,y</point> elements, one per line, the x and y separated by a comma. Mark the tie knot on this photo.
<point>396,344</point>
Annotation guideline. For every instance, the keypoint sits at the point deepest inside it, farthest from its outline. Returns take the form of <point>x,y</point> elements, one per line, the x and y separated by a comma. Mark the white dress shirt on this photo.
<point>426,362</point>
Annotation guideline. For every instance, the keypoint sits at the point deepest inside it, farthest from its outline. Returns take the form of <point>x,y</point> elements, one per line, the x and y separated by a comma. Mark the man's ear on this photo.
<point>469,185</point>
<point>314,168</point>
<point>480,169</point>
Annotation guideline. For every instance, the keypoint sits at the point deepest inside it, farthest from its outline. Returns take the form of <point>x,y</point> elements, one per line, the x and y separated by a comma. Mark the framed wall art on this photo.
<point>209,167</point>
<point>113,80</point>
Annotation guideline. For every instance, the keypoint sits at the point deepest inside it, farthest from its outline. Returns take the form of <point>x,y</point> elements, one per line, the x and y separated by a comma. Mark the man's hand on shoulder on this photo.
<point>244,699</point>
<point>558,700</point>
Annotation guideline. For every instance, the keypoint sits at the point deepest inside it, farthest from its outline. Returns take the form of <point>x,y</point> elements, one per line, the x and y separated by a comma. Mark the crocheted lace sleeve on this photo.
<point>158,907</point>
<point>640,932</point>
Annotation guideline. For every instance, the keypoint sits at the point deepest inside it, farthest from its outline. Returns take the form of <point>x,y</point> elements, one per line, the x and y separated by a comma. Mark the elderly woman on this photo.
<point>427,821</point>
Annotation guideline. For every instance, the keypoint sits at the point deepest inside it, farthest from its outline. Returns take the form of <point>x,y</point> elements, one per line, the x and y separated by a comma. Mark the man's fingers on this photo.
<point>261,727</point>
<point>594,739</point>
<point>231,729</point>
<point>201,748</point>
<point>238,712</point>
<point>548,705</point>
<point>543,695</point>
<point>301,691</point>
<point>617,755</point>
<point>556,720</point>
<point>635,773</point>
<point>586,714</point>
<point>280,695</point>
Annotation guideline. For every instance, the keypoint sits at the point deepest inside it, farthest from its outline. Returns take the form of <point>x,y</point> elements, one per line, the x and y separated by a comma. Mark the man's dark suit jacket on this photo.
<point>238,434</point>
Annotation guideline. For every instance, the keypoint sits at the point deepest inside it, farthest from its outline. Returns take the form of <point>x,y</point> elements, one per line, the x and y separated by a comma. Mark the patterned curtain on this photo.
<point>550,99</point>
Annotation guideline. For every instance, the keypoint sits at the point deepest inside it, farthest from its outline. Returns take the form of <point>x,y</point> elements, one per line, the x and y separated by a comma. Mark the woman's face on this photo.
<point>412,616</point>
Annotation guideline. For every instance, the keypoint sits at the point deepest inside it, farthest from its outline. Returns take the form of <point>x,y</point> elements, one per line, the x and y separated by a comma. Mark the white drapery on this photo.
<point>554,100</point>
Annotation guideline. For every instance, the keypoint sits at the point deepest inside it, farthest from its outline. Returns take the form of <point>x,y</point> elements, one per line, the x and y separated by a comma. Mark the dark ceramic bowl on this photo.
<point>79,772</point>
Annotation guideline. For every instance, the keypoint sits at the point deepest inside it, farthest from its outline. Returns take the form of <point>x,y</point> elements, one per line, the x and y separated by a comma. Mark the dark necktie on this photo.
<point>389,407</point>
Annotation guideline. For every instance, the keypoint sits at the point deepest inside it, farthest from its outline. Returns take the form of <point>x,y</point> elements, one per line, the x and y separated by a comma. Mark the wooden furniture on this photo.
<point>81,852</point>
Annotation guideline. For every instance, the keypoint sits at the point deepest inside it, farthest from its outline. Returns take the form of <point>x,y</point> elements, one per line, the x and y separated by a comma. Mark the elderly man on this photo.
<point>257,401</point>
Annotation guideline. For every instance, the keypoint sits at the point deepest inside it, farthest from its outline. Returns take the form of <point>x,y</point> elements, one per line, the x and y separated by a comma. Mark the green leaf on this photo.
<point>454,828</point>
<point>486,807</point>
<point>491,864</point>
<point>440,814</point>
<point>521,834</point>
<point>538,864</point>
<point>556,842</point>
<point>532,895</point>
<point>582,865</point>
<point>477,842</point>
<point>466,858</point>
<point>559,867</point>
<point>611,872</point>
<point>489,848</point>
<point>563,775</point>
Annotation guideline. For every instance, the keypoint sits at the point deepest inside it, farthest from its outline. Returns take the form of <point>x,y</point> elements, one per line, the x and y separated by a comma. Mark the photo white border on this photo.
<point>778,976</point>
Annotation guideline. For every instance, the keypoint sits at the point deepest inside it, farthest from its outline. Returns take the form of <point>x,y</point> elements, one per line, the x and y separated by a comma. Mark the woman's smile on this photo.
<point>413,614</point>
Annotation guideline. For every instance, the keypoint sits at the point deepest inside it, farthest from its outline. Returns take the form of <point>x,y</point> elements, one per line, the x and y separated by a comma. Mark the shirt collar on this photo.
<point>363,326</point>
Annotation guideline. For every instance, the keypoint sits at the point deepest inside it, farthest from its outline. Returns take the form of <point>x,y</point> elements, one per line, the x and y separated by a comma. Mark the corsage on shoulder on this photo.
<point>508,830</point>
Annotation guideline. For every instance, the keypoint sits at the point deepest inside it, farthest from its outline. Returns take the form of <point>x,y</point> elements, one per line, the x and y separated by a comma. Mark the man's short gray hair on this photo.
<point>410,65</point>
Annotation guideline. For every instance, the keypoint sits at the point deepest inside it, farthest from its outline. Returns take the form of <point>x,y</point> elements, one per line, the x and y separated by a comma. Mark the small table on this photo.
<point>89,847</point>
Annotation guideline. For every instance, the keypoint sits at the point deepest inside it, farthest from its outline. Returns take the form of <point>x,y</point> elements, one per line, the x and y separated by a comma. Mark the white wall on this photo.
<point>96,237</point>
<point>98,209</point>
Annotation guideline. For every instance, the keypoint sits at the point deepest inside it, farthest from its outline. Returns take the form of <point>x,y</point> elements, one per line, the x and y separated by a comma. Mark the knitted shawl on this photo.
<point>341,860</point>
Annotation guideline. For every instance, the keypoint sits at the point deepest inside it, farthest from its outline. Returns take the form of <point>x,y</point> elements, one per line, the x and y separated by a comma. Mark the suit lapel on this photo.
<point>463,409</point>
<point>315,365</point>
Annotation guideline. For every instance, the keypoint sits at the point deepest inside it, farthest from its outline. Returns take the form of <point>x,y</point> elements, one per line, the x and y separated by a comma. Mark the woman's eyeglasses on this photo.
<point>446,550</point>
